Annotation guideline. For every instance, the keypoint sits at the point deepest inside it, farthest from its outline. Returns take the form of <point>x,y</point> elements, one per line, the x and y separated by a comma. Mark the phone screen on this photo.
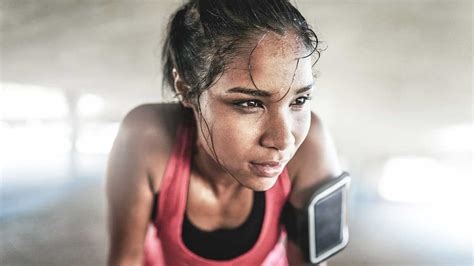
<point>328,216</point>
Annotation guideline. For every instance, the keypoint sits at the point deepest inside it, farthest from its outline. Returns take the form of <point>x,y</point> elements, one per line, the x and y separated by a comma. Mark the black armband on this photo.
<point>320,228</point>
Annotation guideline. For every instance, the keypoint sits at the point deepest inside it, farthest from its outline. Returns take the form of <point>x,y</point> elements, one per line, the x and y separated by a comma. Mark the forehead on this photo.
<point>273,62</point>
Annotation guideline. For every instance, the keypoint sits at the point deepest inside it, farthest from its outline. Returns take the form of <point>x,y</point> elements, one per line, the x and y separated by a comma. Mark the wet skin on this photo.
<point>255,128</point>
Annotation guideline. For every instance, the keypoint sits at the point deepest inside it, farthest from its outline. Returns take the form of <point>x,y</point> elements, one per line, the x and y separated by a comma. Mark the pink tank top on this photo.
<point>163,242</point>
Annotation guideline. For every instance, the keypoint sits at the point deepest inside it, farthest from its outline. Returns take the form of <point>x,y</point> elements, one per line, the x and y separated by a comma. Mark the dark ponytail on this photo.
<point>204,36</point>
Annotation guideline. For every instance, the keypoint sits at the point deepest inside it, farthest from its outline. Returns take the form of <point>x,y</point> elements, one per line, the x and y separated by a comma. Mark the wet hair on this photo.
<point>204,36</point>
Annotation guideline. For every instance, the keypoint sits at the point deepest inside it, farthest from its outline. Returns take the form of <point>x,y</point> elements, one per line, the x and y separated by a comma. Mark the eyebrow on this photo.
<point>262,93</point>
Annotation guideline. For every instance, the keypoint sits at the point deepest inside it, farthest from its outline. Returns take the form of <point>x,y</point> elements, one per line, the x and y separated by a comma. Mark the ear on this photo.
<point>181,89</point>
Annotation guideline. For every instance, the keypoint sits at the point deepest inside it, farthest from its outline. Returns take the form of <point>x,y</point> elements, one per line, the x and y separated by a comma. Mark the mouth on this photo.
<point>267,168</point>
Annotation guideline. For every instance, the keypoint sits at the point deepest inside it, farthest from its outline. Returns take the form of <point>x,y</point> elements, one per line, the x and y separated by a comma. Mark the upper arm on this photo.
<point>128,194</point>
<point>315,161</point>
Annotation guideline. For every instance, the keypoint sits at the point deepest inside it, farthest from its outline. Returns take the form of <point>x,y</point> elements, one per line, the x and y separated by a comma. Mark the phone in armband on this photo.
<point>320,228</point>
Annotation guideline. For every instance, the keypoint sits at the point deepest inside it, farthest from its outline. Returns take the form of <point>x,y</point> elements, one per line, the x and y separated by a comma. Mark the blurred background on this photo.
<point>394,87</point>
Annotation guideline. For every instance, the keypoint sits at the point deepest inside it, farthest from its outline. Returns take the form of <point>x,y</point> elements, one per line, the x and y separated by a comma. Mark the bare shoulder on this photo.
<point>315,161</point>
<point>151,120</point>
<point>149,132</point>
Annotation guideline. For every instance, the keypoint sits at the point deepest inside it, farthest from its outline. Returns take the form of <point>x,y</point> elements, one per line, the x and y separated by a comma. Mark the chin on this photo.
<point>262,183</point>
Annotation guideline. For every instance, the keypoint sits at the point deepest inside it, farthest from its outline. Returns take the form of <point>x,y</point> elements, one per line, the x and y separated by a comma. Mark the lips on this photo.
<point>267,168</point>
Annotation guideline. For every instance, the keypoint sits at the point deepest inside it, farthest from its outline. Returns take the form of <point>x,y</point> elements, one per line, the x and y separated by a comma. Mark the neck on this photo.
<point>218,179</point>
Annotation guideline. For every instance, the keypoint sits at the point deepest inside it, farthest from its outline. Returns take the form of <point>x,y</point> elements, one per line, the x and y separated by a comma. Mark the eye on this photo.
<point>249,104</point>
<point>301,100</point>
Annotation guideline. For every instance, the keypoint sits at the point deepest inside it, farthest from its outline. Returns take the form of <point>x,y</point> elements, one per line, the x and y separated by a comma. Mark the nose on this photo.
<point>278,133</point>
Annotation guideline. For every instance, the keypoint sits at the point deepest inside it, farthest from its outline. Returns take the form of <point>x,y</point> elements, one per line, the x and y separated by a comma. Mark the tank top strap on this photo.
<point>177,168</point>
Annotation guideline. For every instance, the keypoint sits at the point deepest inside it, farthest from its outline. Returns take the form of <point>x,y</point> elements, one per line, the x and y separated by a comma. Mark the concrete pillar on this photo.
<point>72,99</point>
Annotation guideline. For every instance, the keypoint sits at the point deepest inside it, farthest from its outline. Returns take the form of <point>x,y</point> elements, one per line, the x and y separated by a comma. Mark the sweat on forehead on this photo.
<point>286,48</point>
<point>270,52</point>
<point>289,44</point>
<point>276,64</point>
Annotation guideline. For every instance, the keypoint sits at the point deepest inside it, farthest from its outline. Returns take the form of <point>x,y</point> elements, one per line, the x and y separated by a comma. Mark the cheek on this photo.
<point>237,133</point>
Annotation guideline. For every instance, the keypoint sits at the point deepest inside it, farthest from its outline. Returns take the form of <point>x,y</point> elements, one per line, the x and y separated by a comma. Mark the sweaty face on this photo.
<point>255,128</point>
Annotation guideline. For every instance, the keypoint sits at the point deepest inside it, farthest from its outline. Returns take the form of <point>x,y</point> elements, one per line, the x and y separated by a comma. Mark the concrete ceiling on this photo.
<point>393,72</point>
<point>110,48</point>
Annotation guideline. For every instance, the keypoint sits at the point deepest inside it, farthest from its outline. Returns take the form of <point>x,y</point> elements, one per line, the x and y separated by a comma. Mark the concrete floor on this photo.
<point>69,229</point>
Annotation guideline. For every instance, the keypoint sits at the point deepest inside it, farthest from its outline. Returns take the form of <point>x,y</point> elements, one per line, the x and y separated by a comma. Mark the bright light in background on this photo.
<point>36,133</point>
<point>34,151</point>
<point>423,180</point>
<point>412,179</point>
<point>29,102</point>
<point>34,140</point>
<point>90,105</point>
<point>3,128</point>
<point>33,122</point>
<point>455,138</point>
<point>444,189</point>
<point>97,138</point>
<point>429,180</point>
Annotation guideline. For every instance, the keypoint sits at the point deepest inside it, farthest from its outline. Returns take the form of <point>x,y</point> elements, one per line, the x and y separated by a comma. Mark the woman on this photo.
<point>215,169</point>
